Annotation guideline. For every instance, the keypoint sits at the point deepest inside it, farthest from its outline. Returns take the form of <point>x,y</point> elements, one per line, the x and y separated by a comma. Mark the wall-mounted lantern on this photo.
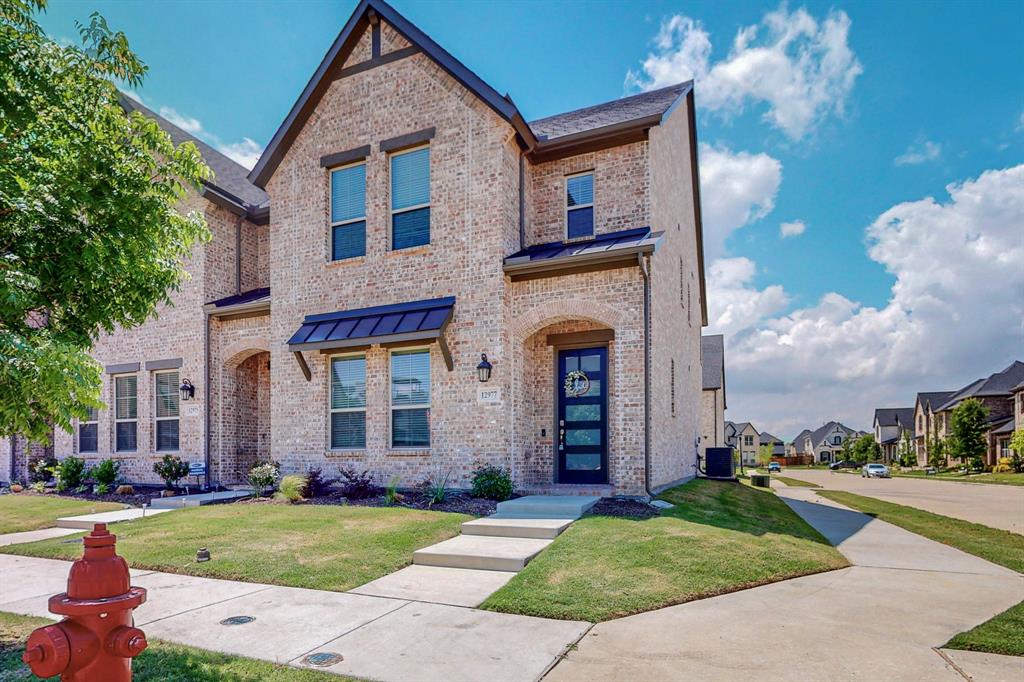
<point>483,370</point>
<point>188,391</point>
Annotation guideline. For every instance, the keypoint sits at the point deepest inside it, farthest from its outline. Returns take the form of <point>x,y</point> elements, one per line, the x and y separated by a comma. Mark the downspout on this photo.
<point>647,373</point>
<point>206,392</point>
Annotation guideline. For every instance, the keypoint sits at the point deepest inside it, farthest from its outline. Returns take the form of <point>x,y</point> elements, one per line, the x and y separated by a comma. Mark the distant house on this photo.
<point>776,443</point>
<point>742,436</point>
<point>997,394</point>
<point>796,447</point>
<point>893,426</point>
<point>713,404</point>
<point>826,442</point>
<point>925,427</point>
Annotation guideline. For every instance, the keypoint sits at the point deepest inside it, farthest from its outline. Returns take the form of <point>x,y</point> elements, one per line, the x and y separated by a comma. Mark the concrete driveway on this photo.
<point>996,506</point>
<point>881,619</point>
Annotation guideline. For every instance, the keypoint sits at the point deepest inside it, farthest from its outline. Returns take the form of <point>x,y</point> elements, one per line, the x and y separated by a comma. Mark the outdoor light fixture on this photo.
<point>188,391</point>
<point>202,555</point>
<point>483,370</point>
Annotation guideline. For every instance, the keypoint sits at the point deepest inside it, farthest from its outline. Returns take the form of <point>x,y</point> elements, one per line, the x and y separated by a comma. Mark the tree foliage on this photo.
<point>1017,446</point>
<point>865,449</point>
<point>764,454</point>
<point>91,234</point>
<point>967,428</point>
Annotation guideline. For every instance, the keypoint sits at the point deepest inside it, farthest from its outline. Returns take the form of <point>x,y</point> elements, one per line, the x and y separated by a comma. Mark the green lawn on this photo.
<point>1001,634</point>
<point>720,537</point>
<point>998,546</point>
<point>992,479</point>
<point>324,547</point>
<point>796,482</point>
<point>160,662</point>
<point>22,511</point>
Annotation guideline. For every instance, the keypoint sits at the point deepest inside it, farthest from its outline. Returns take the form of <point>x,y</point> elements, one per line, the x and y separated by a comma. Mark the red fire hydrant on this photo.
<point>97,640</point>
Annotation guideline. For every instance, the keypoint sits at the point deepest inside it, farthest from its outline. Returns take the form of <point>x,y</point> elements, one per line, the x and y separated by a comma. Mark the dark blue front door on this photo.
<point>582,433</point>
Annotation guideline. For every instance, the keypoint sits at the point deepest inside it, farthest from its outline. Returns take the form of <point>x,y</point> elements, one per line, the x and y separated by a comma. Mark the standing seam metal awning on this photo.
<point>401,322</point>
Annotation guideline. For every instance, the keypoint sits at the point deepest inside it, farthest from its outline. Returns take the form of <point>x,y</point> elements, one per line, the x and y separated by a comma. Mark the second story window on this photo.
<point>348,212</point>
<point>126,413</point>
<point>87,431</point>
<point>167,411</point>
<point>410,198</point>
<point>579,206</point>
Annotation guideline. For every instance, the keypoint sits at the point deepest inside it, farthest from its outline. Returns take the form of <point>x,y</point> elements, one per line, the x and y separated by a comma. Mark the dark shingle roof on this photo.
<point>653,103</point>
<point>712,355</point>
<point>229,175</point>
<point>818,434</point>
<point>934,398</point>
<point>895,416</point>
<point>1000,383</point>
<point>765,438</point>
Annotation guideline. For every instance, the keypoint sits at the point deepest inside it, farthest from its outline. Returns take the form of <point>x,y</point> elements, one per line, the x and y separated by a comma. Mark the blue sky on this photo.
<point>939,84</point>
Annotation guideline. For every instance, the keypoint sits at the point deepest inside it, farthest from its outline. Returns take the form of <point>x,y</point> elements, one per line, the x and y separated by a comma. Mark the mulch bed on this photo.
<point>457,502</point>
<point>144,494</point>
<point>633,509</point>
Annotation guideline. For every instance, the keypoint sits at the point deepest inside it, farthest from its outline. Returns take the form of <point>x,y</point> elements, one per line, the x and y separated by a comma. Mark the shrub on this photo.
<point>100,489</point>
<point>437,489</point>
<point>316,484</point>
<point>263,477</point>
<point>106,472</point>
<point>391,494</point>
<point>39,486</point>
<point>171,469</point>
<point>70,474</point>
<point>356,485</point>
<point>492,482</point>
<point>291,488</point>
<point>42,469</point>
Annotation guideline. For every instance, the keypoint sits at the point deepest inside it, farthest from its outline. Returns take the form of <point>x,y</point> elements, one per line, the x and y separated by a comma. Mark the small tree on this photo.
<point>846,453</point>
<point>764,455</point>
<point>908,457</point>
<point>171,469</point>
<point>936,452</point>
<point>1017,451</point>
<point>967,433</point>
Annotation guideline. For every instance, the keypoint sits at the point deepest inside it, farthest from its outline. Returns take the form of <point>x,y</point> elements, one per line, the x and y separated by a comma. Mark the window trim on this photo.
<point>156,419</point>
<point>409,350</point>
<point>592,205</point>
<point>331,224</point>
<point>331,410</point>
<point>86,422</point>
<point>135,420</point>
<point>392,212</point>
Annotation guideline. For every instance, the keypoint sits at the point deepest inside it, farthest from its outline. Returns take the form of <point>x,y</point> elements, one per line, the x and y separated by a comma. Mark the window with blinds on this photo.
<point>166,413</point>
<point>126,413</point>
<point>410,198</point>
<point>348,212</point>
<point>88,431</point>
<point>410,399</point>
<point>579,205</point>
<point>348,403</point>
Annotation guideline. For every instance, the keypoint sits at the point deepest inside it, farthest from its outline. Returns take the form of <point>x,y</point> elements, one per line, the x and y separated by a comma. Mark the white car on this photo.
<point>874,471</point>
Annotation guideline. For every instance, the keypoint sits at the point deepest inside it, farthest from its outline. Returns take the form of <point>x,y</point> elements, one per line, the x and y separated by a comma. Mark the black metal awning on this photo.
<point>603,251</point>
<point>386,324</point>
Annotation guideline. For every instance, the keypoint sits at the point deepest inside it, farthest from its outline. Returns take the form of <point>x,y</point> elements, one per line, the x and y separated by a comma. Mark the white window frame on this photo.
<point>392,212</point>
<point>591,205</point>
<point>86,422</point>
<point>118,420</point>
<point>157,420</point>
<point>419,406</point>
<point>330,210</point>
<point>331,410</point>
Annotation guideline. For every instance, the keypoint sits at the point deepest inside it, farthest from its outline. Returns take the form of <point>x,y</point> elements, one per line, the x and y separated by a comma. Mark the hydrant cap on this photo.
<point>47,651</point>
<point>100,573</point>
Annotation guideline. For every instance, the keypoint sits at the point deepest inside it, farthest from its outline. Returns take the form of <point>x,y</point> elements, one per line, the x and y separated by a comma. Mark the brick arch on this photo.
<point>561,310</point>
<point>241,350</point>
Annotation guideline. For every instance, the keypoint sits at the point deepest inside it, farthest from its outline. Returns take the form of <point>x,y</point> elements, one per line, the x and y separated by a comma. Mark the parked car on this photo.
<point>774,467</point>
<point>875,471</point>
<point>843,464</point>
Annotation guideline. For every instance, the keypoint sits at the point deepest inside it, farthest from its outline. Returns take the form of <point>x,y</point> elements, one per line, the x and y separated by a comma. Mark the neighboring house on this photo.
<point>743,437</point>
<point>777,444</point>
<point>404,221</point>
<point>925,424</point>
<point>713,405</point>
<point>796,447</point>
<point>997,394</point>
<point>893,427</point>
<point>826,442</point>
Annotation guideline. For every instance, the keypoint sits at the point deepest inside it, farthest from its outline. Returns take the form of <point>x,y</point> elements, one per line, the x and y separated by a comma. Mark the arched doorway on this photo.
<point>242,436</point>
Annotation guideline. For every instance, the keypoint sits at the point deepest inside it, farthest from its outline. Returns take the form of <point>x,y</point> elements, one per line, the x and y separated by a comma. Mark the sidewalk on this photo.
<point>880,619</point>
<point>379,638</point>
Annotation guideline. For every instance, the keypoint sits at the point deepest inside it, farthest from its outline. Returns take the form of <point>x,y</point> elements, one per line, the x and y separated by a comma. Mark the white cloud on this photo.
<point>192,126</point>
<point>1020,122</point>
<point>247,152</point>
<point>955,313</point>
<point>793,229</point>
<point>737,188</point>
<point>801,68</point>
<point>926,151</point>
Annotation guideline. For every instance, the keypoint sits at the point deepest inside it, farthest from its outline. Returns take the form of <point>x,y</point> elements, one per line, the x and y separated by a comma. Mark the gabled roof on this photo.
<point>998,384</point>
<point>818,435</point>
<point>712,357</point>
<point>799,440</point>
<point>895,416</point>
<point>765,438</point>
<point>230,179</point>
<point>933,399</point>
<point>653,105</point>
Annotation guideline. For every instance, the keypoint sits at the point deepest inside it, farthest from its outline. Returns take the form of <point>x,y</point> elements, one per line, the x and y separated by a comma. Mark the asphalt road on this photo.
<point>997,506</point>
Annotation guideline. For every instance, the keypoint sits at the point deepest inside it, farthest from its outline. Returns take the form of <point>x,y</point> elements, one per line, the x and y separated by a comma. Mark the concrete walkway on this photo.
<point>378,638</point>
<point>996,506</point>
<point>880,619</point>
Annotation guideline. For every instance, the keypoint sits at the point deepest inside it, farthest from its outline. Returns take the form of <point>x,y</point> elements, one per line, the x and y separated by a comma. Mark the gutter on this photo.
<point>642,262</point>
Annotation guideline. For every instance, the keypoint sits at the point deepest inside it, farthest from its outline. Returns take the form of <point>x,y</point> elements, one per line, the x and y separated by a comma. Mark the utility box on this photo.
<point>719,463</point>
<point>760,480</point>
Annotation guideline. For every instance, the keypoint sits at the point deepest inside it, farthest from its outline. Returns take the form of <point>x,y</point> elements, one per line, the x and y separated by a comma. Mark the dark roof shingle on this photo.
<point>646,104</point>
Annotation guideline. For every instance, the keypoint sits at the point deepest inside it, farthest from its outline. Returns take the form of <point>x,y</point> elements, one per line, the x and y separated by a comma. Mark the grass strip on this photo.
<point>23,512</point>
<point>1001,634</point>
<point>795,482</point>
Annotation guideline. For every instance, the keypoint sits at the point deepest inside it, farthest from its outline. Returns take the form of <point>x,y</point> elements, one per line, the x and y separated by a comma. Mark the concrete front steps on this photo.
<point>86,521</point>
<point>481,552</point>
<point>198,499</point>
<point>546,507</point>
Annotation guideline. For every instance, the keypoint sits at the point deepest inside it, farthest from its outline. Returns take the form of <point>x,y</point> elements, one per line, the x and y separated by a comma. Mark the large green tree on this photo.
<point>865,449</point>
<point>92,235</point>
<point>966,440</point>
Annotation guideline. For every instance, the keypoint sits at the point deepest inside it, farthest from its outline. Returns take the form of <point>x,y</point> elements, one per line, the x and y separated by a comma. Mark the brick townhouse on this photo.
<point>406,235</point>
